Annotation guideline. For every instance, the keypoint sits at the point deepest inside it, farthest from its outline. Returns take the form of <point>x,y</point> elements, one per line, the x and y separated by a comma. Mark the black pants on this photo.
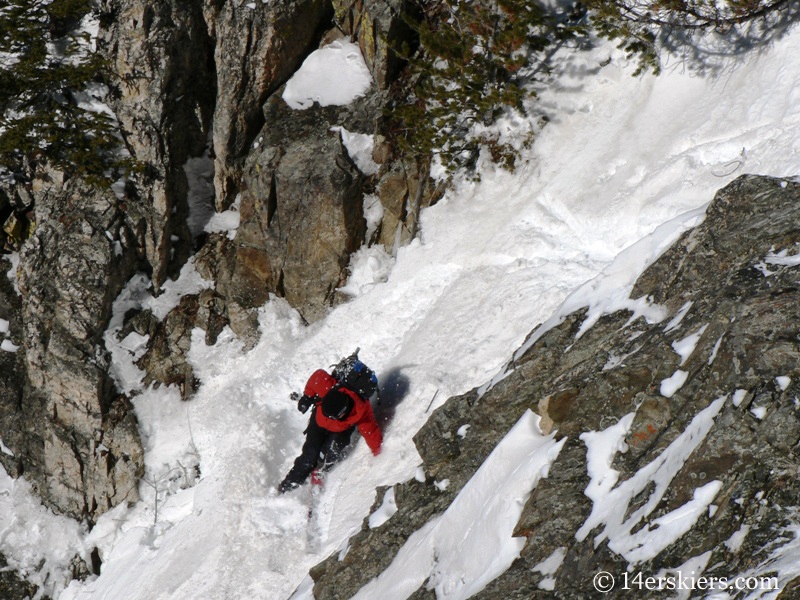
<point>322,449</point>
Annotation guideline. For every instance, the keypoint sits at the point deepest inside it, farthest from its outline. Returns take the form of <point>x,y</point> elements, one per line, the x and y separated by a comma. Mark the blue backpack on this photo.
<point>354,375</point>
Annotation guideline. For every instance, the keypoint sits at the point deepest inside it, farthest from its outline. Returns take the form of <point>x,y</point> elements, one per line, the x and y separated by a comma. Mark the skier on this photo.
<point>335,413</point>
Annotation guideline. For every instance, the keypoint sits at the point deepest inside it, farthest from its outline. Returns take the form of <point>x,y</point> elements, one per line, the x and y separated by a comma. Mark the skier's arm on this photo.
<point>319,384</point>
<point>371,432</point>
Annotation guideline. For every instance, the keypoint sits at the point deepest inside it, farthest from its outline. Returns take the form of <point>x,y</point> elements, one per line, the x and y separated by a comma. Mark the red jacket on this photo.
<point>319,384</point>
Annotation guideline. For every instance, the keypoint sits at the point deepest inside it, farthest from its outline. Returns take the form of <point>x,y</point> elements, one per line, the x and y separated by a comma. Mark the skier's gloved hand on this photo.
<point>304,403</point>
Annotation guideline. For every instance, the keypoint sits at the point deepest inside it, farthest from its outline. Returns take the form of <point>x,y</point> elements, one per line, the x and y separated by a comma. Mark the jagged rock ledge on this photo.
<point>745,312</point>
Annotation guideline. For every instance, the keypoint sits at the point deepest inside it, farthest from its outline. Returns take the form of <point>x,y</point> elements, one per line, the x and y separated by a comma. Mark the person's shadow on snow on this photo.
<point>393,387</point>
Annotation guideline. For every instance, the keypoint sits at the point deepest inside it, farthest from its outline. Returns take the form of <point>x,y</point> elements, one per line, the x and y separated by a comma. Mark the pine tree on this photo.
<point>45,67</point>
<point>472,65</point>
<point>474,60</point>
<point>638,24</point>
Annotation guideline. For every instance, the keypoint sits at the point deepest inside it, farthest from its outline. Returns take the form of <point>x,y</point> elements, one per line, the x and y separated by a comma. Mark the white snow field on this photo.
<point>623,168</point>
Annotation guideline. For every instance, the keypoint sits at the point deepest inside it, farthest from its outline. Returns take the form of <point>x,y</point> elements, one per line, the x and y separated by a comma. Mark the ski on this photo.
<point>314,530</point>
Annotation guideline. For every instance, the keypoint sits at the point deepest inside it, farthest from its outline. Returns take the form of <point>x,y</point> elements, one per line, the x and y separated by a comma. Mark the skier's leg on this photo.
<point>309,456</point>
<point>333,448</point>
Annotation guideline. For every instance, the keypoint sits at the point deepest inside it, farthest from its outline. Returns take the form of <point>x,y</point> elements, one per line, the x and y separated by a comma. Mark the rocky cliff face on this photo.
<point>198,98</point>
<point>71,435</point>
<point>197,92</point>
<point>300,194</point>
<point>739,296</point>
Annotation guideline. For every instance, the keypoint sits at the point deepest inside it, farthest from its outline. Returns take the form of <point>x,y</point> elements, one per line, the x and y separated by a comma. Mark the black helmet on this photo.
<point>337,405</point>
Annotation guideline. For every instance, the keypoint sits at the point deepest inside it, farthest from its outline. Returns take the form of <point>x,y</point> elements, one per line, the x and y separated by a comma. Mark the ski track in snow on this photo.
<point>621,157</point>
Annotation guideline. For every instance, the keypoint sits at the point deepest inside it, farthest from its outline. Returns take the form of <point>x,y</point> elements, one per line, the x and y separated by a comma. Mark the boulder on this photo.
<point>301,211</point>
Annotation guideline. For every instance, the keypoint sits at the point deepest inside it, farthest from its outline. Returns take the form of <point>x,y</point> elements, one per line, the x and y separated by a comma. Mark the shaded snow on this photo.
<point>359,146</point>
<point>225,221</point>
<point>385,511</point>
<point>200,196</point>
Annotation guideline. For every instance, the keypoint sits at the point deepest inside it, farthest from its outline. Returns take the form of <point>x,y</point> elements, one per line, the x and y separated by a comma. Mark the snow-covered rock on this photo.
<point>643,481</point>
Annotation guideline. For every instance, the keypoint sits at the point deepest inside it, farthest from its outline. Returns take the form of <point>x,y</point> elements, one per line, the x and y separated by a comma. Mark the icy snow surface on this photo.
<point>623,168</point>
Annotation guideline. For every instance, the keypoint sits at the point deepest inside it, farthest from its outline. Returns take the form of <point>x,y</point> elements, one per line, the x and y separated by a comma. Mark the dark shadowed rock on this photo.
<point>12,375</point>
<point>163,57</point>
<point>11,586</point>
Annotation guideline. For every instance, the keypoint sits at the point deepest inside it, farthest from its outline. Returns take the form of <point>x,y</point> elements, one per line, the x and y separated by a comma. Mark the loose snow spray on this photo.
<point>40,542</point>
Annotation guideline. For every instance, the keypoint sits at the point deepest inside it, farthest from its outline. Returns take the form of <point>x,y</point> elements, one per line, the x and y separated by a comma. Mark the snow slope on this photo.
<point>624,167</point>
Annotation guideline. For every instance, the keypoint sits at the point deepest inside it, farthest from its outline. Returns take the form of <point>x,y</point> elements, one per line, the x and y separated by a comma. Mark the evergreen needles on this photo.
<point>474,60</point>
<point>46,115</point>
<point>472,65</point>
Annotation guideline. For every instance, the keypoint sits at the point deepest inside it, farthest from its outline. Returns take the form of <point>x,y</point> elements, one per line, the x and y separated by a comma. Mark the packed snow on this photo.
<point>359,146</point>
<point>334,75</point>
<point>226,221</point>
<point>549,567</point>
<point>685,347</point>
<point>738,397</point>
<point>386,511</point>
<point>486,511</point>
<point>673,383</point>
<point>675,322</point>
<point>622,169</point>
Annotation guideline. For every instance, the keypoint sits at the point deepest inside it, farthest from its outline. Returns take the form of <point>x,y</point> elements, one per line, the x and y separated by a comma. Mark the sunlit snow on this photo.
<point>333,75</point>
<point>622,169</point>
